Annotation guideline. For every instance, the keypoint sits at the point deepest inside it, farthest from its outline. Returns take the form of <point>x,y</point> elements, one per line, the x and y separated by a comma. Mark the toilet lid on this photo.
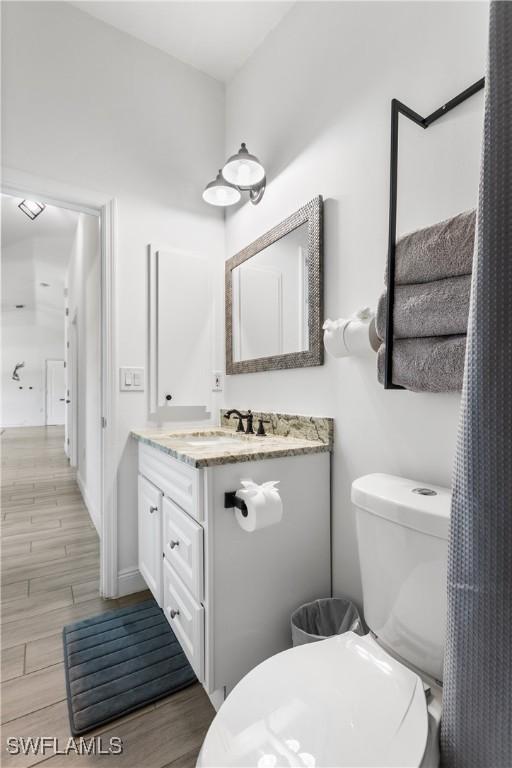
<point>339,702</point>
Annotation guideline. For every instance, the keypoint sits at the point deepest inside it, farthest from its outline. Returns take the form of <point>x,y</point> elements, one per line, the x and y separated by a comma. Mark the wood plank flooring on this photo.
<point>49,578</point>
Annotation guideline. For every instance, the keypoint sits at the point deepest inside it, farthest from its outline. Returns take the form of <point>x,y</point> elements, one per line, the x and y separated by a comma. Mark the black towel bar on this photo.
<point>397,109</point>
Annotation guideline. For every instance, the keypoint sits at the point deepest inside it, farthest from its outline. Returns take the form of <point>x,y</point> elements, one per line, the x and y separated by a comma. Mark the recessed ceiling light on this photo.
<point>31,208</point>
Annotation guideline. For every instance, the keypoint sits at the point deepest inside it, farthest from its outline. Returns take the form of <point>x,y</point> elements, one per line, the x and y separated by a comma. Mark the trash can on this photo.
<point>324,618</point>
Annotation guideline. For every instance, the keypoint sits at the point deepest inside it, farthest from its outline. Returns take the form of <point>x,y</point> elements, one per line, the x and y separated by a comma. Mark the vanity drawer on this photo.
<point>186,617</point>
<point>183,546</point>
<point>175,479</point>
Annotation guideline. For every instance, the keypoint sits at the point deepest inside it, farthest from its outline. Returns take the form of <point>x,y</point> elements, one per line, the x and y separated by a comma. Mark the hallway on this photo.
<point>50,577</point>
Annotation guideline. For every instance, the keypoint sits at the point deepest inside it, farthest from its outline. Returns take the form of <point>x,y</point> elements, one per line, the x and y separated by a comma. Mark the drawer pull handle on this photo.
<point>153,509</point>
<point>174,613</point>
<point>173,544</point>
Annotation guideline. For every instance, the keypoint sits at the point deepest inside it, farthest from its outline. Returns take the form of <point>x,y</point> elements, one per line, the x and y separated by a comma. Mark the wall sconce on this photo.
<point>242,172</point>
<point>31,209</point>
<point>220,192</point>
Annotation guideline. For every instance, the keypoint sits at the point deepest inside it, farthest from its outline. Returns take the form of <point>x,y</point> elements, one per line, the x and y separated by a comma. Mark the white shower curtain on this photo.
<point>476,729</point>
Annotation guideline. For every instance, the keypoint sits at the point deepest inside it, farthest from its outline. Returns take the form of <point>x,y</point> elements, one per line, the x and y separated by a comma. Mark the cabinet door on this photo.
<point>150,537</point>
<point>183,546</point>
<point>186,617</point>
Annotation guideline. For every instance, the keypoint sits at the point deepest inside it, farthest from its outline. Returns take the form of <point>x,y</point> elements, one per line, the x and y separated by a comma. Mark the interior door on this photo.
<point>55,392</point>
<point>72,400</point>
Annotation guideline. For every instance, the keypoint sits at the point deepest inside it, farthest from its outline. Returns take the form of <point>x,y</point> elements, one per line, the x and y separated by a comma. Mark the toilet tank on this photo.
<point>402,533</point>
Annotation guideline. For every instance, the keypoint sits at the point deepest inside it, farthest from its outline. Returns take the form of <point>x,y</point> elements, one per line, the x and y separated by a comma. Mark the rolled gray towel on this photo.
<point>439,308</point>
<point>433,364</point>
<point>441,250</point>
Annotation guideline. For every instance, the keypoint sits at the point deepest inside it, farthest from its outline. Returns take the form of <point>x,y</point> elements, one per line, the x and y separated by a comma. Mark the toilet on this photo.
<point>372,701</point>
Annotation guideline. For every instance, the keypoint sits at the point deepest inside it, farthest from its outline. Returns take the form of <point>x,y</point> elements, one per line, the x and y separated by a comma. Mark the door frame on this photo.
<point>21,184</point>
<point>51,360</point>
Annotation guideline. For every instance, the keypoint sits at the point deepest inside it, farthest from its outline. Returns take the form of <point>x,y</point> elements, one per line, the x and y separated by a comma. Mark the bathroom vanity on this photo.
<point>226,592</point>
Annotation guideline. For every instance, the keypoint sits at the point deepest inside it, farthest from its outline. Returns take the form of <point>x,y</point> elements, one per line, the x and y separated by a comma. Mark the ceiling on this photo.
<point>35,252</point>
<point>215,37</point>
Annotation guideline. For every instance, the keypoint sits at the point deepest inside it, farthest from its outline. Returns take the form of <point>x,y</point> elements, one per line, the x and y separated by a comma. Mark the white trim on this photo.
<point>129,581</point>
<point>22,184</point>
<point>93,513</point>
<point>109,552</point>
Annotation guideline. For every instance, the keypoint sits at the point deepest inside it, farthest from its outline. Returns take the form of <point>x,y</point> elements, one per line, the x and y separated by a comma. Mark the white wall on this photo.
<point>31,335</point>
<point>83,301</point>
<point>313,103</point>
<point>92,107</point>
<point>26,339</point>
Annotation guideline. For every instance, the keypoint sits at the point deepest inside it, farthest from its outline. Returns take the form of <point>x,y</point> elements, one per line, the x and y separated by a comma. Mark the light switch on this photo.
<point>131,379</point>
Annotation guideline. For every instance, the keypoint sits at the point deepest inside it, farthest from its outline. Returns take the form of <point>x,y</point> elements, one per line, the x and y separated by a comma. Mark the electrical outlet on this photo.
<point>217,381</point>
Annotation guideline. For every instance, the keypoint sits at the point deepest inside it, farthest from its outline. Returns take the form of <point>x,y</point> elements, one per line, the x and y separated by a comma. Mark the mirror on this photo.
<point>274,297</point>
<point>276,278</point>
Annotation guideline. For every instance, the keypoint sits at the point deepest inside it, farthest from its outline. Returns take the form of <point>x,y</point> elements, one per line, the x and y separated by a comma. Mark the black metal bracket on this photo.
<point>231,500</point>
<point>397,109</point>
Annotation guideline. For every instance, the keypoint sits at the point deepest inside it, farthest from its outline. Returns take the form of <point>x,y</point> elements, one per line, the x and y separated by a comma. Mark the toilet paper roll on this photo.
<point>353,336</point>
<point>334,341</point>
<point>359,336</point>
<point>264,505</point>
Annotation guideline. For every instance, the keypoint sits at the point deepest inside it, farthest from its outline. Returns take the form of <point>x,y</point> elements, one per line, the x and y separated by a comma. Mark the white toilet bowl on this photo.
<point>340,702</point>
<point>350,701</point>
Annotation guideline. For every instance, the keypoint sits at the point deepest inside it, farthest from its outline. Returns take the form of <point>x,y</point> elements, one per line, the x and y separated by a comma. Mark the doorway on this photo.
<point>51,344</point>
<point>71,198</point>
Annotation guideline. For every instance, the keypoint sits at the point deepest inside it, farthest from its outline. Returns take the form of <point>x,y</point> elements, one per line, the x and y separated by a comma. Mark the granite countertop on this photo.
<point>209,447</point>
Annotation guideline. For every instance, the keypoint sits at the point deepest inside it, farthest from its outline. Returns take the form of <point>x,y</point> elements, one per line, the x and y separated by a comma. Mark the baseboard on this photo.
<point>129,581</point>
<point>93,513</point>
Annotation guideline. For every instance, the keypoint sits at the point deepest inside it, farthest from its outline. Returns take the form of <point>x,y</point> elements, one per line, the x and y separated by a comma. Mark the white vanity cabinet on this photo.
<point>228,594</point>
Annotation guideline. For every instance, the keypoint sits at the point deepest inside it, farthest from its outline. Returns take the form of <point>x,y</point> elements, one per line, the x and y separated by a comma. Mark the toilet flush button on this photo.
<point>425,491</point>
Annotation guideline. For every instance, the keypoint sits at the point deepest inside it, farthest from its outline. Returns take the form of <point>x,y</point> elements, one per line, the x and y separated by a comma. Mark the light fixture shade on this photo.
<point>31,208</point>
<point>243,169</point>
<point>220,192</point>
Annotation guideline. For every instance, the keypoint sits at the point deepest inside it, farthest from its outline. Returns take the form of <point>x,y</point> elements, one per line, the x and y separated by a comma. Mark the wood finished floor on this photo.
<point>49,578</point>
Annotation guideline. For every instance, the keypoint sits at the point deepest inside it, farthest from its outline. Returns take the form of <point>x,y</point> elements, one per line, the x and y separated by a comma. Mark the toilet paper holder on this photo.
<point>231,500</point>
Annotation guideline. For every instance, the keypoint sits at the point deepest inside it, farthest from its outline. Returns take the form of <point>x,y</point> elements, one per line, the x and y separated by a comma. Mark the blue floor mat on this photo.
<point>119,661</point>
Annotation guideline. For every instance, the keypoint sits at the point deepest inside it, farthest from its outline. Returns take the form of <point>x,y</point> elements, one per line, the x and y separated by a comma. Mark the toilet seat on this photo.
<point>343,701</point>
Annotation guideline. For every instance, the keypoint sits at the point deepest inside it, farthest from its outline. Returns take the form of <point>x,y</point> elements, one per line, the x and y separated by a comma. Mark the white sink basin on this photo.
<point>213,440</point>
<point>204,441</point>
